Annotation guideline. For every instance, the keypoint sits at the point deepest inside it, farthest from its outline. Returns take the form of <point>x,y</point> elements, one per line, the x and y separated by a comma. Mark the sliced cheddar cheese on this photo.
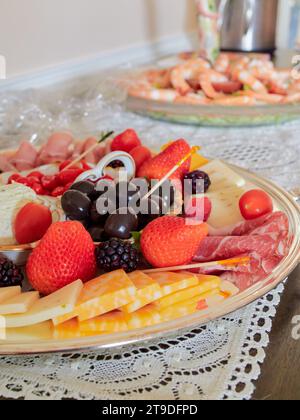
<point>57,304</point>
<point>145,317</point>
<point>188,307</point>
<point>173,282</point>
<point>19,304</point>
<point>9,292</point>
<point>100,296</point>
<point>206,283</point>
<point>148,291</point>
<point>110,323</point>
<point>70,330</point>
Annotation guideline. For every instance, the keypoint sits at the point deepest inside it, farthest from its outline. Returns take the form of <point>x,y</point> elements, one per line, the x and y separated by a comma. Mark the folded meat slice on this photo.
<point>25,158</point>
<point>218,248</point>
<point>265,240</point>
<point>59,147</point>
<point>6,165</point>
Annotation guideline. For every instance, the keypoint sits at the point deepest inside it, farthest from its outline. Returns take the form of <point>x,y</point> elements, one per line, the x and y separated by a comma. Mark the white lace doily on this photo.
<point>218,361</point>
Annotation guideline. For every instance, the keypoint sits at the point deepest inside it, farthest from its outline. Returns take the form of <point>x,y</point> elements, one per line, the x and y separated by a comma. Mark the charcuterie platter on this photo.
<point>135,244</point>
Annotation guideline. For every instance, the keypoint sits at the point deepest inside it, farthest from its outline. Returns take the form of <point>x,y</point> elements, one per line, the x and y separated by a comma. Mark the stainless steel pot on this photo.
<point>249,25</point>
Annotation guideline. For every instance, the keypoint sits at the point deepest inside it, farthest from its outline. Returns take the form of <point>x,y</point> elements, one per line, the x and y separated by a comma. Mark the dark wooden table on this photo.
<point>280,378</point>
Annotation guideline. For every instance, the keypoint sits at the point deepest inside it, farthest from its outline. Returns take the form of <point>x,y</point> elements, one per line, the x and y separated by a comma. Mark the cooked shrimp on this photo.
<point>292,99</point>
<point>222,63</point>
<point>264,97</point>
<point>188,70</point>
<point>235,101</point>
<point>164,95</point>
<point>249,80</point>
<point>193,99</point>
<point>206,82</point>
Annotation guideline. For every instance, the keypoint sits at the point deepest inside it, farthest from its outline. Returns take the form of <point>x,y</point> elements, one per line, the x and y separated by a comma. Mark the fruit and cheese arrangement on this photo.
<point>143,238</point>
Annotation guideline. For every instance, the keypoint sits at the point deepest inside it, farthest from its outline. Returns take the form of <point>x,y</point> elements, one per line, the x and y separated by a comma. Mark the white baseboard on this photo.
<point>135,54</point>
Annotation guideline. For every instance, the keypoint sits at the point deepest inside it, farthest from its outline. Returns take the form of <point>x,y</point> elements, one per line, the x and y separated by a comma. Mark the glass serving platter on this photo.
<point>38,339</point>
<point>213,115</point>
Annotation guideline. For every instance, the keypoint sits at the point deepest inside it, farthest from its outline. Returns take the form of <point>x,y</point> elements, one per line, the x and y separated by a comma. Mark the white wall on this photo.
<point>35,34</point>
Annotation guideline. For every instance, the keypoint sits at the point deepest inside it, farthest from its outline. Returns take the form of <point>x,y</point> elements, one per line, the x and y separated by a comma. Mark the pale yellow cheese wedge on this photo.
<point>185,308</point>
<point>57,304</point>
<point>112,322</point>
<point>206,283</point>
<point>148,291</point>
<point>36,332</point>
<point>100,296</point>
<point>9,292</point>
<point>144,317</point>
<point>173,282</point>
<point>19,304</point>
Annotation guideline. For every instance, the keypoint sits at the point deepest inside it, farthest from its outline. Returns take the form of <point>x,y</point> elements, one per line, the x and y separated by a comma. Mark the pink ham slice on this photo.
<point>25,157</point>
<point>59,148</point>
<point>6,165</point>
<point>265,240</point>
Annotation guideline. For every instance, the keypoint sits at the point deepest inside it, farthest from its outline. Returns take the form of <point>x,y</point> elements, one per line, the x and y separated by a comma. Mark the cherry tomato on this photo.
<point>14,178</point>
<point>35,174</point>
<point>255,203</point>
<point>59,191</point>
<point>31,223</point>
<point>49,182</point>
<point>126,141</point>
<point>199,208</point>
<point>227,87</point>
<point>69,175</point>
<point>37,187</point>
<point>140,154</point>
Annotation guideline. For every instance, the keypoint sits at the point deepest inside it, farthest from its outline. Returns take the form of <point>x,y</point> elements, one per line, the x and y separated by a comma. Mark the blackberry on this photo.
<point>116,254</point>
<point>195,176</point>
<point>10,274</point>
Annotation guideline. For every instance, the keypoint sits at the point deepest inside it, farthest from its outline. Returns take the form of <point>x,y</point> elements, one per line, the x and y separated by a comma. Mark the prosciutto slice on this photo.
<point>6,165</point>
<point>25,157</point>
<point>59,148</point>
<point>265,240</point>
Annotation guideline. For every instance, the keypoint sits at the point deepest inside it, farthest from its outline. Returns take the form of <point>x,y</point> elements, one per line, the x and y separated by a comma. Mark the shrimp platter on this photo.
<point>234,80</point>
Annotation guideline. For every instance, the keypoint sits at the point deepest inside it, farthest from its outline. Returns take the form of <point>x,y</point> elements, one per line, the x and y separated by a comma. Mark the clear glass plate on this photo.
<point>214,116</point>
<point>38,339</point>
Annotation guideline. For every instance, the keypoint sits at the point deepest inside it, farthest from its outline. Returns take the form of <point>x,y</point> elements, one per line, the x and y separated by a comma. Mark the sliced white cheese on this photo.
<point>222,176</point>
<point>59,303</point>
<point>9,292</point>
<point>13,198</point>
<point>19,304</point>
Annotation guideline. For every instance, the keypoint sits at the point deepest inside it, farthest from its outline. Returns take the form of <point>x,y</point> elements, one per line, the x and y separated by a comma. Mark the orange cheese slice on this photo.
<point>102,295</point>
<point>188,307</point>
<point>173,282</point>
<point>148,291</point>
<point>206,283</point>
<point>69,330</point>
<point>110,323</point>
<point>9,292</point>
<point>144,317</point>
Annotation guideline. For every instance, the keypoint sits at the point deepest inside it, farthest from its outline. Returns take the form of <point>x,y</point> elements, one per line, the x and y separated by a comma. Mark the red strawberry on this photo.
<point>65,254</point>
<point>125,142</point>
<point>168,241</point>
<point>160,165</point>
